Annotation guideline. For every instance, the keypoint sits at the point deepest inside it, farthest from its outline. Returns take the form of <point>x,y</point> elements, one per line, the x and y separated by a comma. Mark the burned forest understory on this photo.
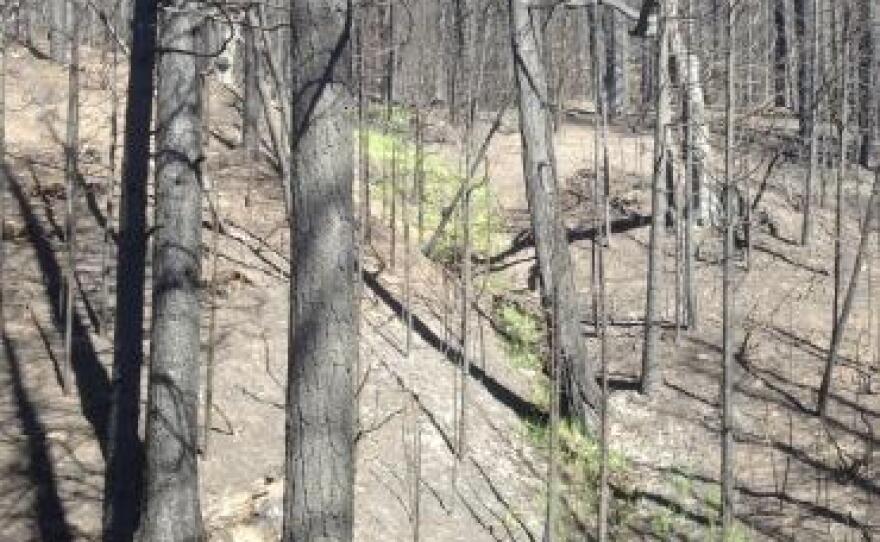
<point>453,270</point>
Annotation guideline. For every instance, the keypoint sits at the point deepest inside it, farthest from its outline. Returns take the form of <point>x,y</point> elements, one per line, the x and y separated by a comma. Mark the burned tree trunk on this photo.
<point>580,392</point>
<point>780,55</point>
<point>651,377</point>
<point>616,48</point>
<point>171,509</point>
<point>319,464</point>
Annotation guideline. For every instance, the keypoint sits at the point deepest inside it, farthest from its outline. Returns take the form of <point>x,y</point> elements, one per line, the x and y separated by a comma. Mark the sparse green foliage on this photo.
<point>663,523</point>
<point>523,335</point>
<point>441,183</point>
<point>579,457</point>
<point>579,452</point>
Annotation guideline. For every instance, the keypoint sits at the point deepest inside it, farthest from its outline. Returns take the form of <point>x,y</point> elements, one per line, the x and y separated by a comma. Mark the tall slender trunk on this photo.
<point>597,60</point>
<point>691,190</point>
<point>71,171</point>
<point>211,182</point>
<point>58,31</point>
<point>110,203</point>
<point>2,172</point>
<point>469,58</point>
<point>812,113</point>
<point>364,132</point>
<point>171,508</point>
<point>602,327</point>
<point>319,486</point>
<point>842,165</point>
<point>250,112</point>
<point>580,393</point>
<point>728,504</point>
<point>551,511</point>
<point>616,50</point>
<point>651,374</point>
<point>779,53</point>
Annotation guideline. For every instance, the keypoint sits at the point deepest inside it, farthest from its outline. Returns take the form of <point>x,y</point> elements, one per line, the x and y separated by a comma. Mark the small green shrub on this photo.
<point>523,335</point>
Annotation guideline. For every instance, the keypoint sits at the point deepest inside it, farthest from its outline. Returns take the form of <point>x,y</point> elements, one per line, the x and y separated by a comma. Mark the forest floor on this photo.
<point>799,478</point>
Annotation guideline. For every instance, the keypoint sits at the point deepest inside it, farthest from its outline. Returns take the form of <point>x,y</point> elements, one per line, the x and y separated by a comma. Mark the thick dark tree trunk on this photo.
<point>780,48</point>
<point>580,393</point>
<point>123,477</point>
<point>805,20</point>
<point>319,464</point>
<point>812,133</point>
<point>616,50</point>
<point>171,508</point>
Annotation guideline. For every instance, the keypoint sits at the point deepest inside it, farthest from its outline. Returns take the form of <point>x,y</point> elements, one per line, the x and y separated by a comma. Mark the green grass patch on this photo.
<point>392,154</point>
<point>578,452</point>
<point>579,458</point>
<point>523,334</point>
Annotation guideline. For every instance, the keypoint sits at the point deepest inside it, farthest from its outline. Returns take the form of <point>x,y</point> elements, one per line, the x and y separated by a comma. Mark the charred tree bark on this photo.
<point>579,389</point>
<point>651,375</point>
<point>124,473</point>
<point>171,508</point>
<point>780,50</point>
<point>319,458</point>
<point>616,50</point>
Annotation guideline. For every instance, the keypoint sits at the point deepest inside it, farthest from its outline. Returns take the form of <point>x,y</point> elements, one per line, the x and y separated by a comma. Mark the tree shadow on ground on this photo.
<point>51,521</point>
<point>850,471</point>
<point>523,408</point>
<point>91,378</point>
